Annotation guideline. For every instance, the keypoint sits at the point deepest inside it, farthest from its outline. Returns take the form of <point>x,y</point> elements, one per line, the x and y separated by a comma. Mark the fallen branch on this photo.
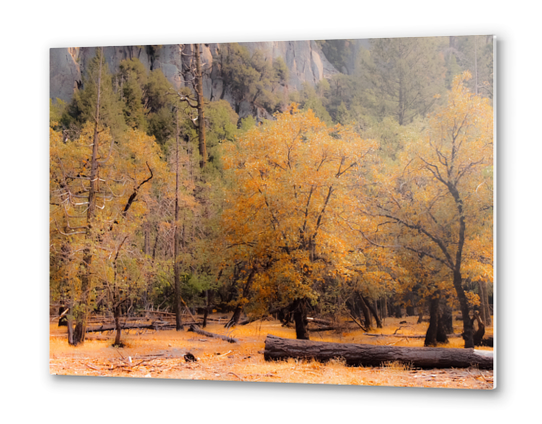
<point>91,367</point>
<point>236,376</point>
<point>63,313</point>
<point>356,322</point>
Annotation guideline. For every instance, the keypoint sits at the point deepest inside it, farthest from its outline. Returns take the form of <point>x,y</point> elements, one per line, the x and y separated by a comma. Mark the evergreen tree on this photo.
<point>82,108</point>
<point>132,79</point>
<point>405,76</point>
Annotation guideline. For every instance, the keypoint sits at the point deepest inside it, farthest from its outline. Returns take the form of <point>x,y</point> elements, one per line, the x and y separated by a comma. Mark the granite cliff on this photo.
<point>304,59</point>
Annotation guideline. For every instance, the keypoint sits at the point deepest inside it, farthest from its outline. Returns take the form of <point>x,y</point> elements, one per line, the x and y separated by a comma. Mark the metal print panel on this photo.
<point>297,212</point>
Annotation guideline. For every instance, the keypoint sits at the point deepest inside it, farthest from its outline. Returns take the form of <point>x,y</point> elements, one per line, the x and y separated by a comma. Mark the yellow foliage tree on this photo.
<point>96,184</point>
<point>285,217</point>
<point>437,200</point>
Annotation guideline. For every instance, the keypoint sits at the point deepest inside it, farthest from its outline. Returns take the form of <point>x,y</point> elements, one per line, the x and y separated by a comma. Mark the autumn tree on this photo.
<point>121,267</point>
<point>284,218</point>
<point>429,281</point>
<point>96,182</point>
<point>93,245</point>
<point>182,227</point>
<point>436,200</point>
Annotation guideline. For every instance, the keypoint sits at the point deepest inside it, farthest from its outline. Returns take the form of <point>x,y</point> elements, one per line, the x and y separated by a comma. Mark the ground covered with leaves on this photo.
<point>163,354</point>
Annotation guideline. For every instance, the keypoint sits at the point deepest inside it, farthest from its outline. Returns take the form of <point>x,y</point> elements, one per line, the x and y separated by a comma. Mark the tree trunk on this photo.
<point>206,310</point>
<point>237,312</point>
<point>300,319</point>
<point>484,300</point>
<point>355,312</point>
<point>420,315</point>
<point>82,309</point>
<point>437,331</point>
<point>365,310</point>
<point>458,278</point>
<point>442,336</point>
<point>467,323</point>
<point>373,311</point>
<point>147,251</point>
<point>209,294</point>
<point>480,331</point>
<point>201,118</point>
<point>70,329</point>
<point>234,320</point>
<point>431,335</point>
<point>277,348</point>
<point>475,65</point>
<point>447,319</point>
<point>176,271</point>
<point>384,307</point>
<point>118,327</point>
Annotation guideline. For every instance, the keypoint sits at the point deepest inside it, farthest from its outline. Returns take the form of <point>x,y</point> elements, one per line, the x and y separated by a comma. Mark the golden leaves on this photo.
<point>291,193</point>
<point>435,202</point>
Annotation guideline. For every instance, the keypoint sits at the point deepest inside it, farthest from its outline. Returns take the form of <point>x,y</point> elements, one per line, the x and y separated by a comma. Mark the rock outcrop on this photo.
<point>65,73</point>
<point>304,59</point>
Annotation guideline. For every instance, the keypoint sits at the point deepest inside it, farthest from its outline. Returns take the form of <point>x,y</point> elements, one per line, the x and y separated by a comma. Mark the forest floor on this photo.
<point>160,354</point>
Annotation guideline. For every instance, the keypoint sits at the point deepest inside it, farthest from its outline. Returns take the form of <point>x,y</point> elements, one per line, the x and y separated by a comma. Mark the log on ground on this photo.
<point>315,329</point>
<point>152,325</point>
<point>161,325</point>
<point>198,330</point>
<point>277,348</point>
<point>325,322</point>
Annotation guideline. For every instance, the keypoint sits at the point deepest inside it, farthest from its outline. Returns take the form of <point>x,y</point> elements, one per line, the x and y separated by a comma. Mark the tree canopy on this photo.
<point>370,192</point>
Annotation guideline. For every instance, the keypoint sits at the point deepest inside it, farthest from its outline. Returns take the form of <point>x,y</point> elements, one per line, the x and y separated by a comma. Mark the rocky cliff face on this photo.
<point>305,61</point>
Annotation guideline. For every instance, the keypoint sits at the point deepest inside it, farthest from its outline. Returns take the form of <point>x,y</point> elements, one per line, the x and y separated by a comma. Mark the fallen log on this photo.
<point>127,320</point>
<point>402,336</point>
<point>394,335</point>
<point>277,348</point>
<point>216,319</point>
<point>316,329</point>
<point>198,330</point>
<point>147,311</point>
<point>325,322</point>
<point>151,326</point>
<point>247,321</point>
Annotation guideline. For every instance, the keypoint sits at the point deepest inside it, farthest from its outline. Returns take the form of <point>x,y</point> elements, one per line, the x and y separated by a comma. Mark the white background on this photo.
<point>30,28</point>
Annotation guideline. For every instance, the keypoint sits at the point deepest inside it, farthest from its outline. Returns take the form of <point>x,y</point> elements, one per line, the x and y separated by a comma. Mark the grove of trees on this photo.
<point>368,195</point>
